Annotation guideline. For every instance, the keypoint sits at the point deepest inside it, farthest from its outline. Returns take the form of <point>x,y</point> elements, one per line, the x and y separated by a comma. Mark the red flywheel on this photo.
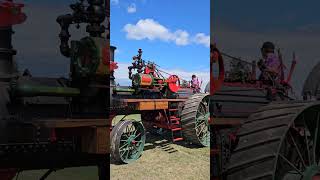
<point>173,83</point>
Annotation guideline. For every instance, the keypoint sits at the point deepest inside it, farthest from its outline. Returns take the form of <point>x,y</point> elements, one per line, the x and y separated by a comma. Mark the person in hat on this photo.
<point>195,84</point>
<point>269,65</point>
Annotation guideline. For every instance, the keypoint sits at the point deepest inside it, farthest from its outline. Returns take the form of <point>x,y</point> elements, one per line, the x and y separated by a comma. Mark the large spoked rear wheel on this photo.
<point>127,141</point>
<point>195,120</point>
<point>299,153</point>
<point>280,142</point>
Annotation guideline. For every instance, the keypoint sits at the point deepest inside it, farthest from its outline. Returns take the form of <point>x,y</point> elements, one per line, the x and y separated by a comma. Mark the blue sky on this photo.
<point>268,15</point>
<point>240,28</point>
<point>37,39</point>
<point>160,29</point>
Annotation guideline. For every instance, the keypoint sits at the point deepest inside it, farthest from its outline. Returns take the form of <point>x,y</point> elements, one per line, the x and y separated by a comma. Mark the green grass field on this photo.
<point>164,160</point>
<point>160,160</point>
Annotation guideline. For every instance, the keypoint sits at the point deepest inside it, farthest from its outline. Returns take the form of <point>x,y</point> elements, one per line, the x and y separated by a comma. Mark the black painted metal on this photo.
<point>30,147</point>
<point>6,51</point>
<point>94,15</point>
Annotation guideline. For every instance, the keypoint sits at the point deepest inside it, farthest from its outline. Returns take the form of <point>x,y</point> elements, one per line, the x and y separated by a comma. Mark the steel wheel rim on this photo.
<point>132,142</point>
<point>302,161</point>
<point>202,127</point>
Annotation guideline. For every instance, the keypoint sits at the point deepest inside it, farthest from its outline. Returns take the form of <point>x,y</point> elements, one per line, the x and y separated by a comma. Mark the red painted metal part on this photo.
<point>11,13</point>
<point>149,70</point>
<point>113,66</point>
<point>294,62</point>
<point>53,136</point>
<point>316,178</point>
<point>146,80</point>
<point>106,55</point>
<point>216,83</point>
<point>172,83</point>
<point>161,119</point>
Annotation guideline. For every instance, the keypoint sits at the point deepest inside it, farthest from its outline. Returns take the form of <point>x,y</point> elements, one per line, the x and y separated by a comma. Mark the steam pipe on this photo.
<point>65,21</point>
<point>27,90</point>
<point>94,15</point>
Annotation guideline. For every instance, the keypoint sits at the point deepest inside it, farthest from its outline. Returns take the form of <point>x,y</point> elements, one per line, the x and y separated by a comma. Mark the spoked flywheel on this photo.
<point>279,142</point>
<point>194,119</point>
<point>127,141</point>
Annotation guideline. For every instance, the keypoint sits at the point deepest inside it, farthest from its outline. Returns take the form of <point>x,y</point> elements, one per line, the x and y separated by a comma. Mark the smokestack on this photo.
<point>10,14</point>
<point>7,65</point>
<point>112,51</point>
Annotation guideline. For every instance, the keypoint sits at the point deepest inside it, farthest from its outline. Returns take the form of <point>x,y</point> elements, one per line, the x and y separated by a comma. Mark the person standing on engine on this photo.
<point>269,65</point>
<point>195,85</point>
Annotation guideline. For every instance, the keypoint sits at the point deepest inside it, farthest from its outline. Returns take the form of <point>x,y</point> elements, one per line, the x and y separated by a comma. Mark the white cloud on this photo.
<point>203,39</point>
<point>152,30</point>
<point>114,2</point>
<point>147,29</point>
<point>121,75</point>
<point>181,37</point>
<point>132,8</point>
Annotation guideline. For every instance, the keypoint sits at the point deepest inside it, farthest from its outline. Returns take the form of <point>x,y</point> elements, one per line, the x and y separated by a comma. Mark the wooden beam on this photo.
<point>70,123</point>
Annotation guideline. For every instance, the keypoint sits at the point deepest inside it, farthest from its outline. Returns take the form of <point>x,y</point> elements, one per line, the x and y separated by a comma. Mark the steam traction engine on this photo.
<point>53,123</point>
<point>258,131</point>
<point>163,105</point>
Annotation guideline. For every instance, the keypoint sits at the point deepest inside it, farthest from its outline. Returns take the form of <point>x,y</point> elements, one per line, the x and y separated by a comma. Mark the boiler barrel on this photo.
<point>28,90</point>
<point>237,102</point>
<point>112,51</point>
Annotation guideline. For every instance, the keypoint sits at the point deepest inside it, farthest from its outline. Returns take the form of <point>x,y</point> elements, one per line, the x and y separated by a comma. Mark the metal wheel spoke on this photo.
<point>202,113</point>
<point>137,136</point>
<point>124,134</point>
<point>315,139</point>
<point>125,144</point>
<point>297,149</point>
<point>306,139</point>
<point>202,116</point>
<point>205,135</point>
<point>126,130</point>
<point>127,154</point>
<point>135,147</point>
<point>134,132</point>
<point>289,163</point>
<point>124,151</point>
<point>199,124</point>
<point>201,130</point>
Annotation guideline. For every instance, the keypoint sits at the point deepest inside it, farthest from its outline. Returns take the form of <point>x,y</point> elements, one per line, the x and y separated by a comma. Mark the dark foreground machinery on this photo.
<point>53,123</point>
<point>258,130</point>
<point>165,106</point>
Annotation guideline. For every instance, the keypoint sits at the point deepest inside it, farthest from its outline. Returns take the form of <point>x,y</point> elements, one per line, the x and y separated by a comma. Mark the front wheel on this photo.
<point>127,141</point>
